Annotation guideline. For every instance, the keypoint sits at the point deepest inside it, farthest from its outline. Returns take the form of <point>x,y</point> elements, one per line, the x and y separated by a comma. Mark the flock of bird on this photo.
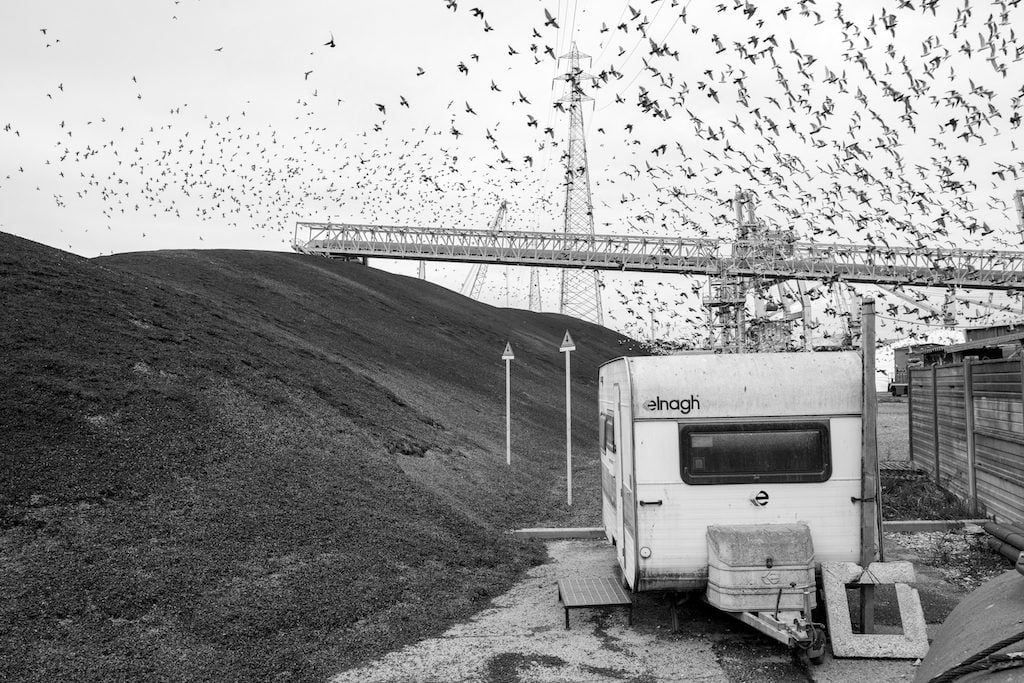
<point>895,125</point>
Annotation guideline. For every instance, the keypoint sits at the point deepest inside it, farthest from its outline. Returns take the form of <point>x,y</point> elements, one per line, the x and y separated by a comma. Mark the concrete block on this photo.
<point>841,572</point>
<point>889,572</point>
<point>911,644</point>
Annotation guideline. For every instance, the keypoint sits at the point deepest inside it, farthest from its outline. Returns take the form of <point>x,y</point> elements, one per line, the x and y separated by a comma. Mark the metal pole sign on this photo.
<point>567,346</point>
<point>508,357</point>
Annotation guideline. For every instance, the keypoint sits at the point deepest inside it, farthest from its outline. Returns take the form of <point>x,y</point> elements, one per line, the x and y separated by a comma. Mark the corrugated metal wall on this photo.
<point>942,407</point>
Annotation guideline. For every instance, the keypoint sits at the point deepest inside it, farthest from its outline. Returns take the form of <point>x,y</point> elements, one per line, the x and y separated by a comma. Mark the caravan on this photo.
<point>750,455</point>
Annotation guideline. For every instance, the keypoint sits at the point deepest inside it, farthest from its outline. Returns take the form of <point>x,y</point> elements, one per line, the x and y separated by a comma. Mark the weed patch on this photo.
<point>919,498</point>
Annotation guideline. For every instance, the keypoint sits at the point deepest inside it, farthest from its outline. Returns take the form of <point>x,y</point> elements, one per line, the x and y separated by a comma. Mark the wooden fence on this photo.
<point>967,432</point>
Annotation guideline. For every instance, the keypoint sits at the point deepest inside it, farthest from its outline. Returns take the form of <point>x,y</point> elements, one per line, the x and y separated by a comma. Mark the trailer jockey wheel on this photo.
<point>816,648</point>
<point>812,651</point>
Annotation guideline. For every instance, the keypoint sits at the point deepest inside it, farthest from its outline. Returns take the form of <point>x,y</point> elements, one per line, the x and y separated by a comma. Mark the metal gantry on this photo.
<point>852,263</point>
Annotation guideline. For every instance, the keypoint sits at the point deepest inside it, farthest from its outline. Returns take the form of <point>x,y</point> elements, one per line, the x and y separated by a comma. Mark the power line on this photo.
<point>907,321</point>
<point>641,70</point>
<point>617,21</point>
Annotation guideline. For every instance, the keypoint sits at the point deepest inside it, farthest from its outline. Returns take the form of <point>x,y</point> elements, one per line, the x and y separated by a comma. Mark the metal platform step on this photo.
<point>593,592</point>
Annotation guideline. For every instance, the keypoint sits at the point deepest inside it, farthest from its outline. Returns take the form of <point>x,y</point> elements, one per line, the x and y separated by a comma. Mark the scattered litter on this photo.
<point>961,557</point>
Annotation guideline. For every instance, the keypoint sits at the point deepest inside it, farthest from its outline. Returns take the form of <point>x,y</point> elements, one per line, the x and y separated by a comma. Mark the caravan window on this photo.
<point>608,432</point>
<point>748,453</point>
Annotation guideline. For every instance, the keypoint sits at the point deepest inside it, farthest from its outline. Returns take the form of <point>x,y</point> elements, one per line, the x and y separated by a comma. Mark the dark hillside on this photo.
<point>249,465</point>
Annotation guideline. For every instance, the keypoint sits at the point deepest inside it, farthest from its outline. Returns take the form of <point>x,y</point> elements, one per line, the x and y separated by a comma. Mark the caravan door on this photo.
<point>627,493</point>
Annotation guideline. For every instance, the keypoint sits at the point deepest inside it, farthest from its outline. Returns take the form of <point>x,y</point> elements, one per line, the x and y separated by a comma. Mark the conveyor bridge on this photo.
<point>926,267</point>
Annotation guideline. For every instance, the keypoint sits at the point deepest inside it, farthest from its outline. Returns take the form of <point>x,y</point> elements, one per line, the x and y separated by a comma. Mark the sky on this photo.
<point>131,126</point>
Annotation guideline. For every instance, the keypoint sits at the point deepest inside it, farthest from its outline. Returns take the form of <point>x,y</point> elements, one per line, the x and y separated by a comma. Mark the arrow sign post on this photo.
<point>508,356</point>
<point>567,346</point>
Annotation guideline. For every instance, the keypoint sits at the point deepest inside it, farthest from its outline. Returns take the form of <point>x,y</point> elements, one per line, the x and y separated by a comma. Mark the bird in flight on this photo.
<point>550,19</point>
<point>330,43</point>
<point>306,77</point>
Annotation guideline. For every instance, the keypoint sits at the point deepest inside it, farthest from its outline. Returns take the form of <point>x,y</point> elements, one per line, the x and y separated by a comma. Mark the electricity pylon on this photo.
<point>478,273</point>
<point>1018,198</point>
<point>535,302</point>
<point>581,291</point>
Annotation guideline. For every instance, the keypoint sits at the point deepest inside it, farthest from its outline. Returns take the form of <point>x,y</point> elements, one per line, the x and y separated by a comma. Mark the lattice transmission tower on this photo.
<point>535,303</point>
<point>474,282</point>
<point>1018,199</point>
<point>581,291</point>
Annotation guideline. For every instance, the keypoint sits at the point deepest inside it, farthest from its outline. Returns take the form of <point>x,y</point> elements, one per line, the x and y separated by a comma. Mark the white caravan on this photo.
<point>693,441</point>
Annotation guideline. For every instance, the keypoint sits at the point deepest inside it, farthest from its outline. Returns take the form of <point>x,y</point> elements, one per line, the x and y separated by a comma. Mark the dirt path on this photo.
<point>522,638</point>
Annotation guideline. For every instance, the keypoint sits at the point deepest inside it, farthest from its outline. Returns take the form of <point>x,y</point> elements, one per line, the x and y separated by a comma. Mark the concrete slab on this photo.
<point>911,644</point>
<point>547,534</point>
<point>889,572</point>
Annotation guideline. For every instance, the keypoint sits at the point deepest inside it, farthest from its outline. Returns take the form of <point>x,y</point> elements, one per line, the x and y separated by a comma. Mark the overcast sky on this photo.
<point>195,124</point>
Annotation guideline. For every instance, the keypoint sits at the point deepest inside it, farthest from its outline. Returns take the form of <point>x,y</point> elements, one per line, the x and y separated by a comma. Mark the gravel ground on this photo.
<point>893,442</point>
<point>521,637</point>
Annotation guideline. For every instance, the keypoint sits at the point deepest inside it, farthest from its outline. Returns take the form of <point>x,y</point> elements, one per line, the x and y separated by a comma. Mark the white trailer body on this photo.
<point>727,439</point>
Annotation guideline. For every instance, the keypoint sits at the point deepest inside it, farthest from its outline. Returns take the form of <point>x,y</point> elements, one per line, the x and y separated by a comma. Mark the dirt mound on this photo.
<point>226,465</point>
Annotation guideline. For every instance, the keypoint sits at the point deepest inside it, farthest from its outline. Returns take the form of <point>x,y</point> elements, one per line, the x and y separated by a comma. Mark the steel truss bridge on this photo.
<point>782,259</point>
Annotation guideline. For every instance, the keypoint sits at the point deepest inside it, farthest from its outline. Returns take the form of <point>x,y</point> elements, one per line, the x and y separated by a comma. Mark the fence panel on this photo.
<point>999,438</point>
<point>938,432</point>
<point>952,429</point>
<point>922,420</point>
